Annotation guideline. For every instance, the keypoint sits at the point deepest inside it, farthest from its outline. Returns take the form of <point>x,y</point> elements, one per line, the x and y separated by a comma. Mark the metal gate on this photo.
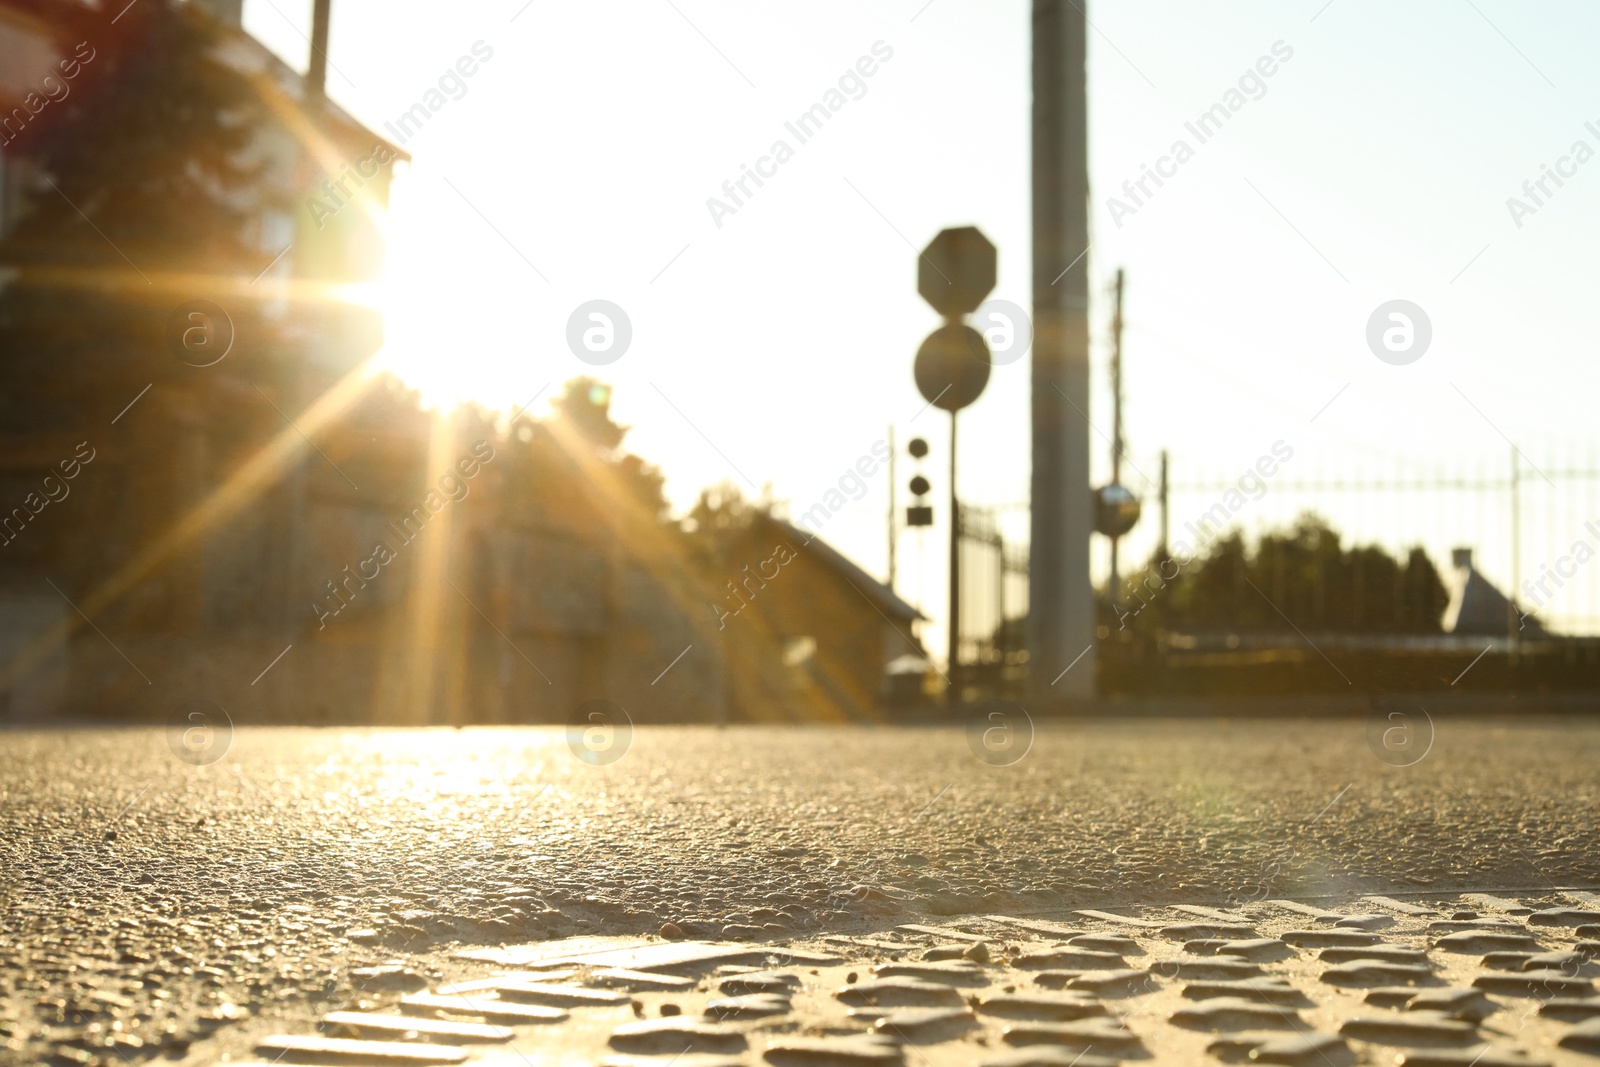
<point>994,604</point>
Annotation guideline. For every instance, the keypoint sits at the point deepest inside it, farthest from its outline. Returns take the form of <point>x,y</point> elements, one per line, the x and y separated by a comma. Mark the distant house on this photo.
<point>292,538</point>
<point>193,602</point>
<point>1477,608</point>
<point>840,629</point>
<point>314,154</point>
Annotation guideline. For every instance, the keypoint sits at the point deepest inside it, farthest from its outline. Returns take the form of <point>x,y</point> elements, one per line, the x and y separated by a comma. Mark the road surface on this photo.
<point>154,904</point>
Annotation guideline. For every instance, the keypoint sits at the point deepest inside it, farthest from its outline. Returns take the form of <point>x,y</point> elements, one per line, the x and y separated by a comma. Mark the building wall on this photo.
<point>836,643</point>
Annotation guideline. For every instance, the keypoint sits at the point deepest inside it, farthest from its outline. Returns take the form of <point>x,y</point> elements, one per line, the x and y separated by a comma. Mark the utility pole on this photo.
<point>1061,620</point>
<point>1513,624</point>
<point>955,573</point>
<point>891,508</point>
<point>1116,425</point>
<point>1165,515</point>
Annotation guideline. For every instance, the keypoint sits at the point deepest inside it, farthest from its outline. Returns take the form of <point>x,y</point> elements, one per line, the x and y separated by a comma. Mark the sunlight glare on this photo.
<point>443,334</point>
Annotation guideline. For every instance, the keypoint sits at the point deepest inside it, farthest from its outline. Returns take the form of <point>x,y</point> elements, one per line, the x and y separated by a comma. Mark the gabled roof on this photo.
<point>1477,607</point>
<point>881,596</point>
<point>249,57</point>
<point>62,22</point>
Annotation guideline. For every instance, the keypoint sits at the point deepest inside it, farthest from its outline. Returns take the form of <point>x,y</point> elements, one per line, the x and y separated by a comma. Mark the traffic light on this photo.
<point>919,514</point>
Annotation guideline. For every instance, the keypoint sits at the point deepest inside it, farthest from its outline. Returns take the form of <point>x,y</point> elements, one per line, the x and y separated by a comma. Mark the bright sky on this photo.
<point>777,347</point>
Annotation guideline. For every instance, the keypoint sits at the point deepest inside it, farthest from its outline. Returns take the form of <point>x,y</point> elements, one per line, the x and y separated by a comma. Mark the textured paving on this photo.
<point>154,906</point>
<point>1471,979</point>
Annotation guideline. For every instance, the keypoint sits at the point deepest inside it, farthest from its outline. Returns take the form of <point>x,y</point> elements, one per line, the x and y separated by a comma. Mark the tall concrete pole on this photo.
<point>1115,584</point>
<point>1060,598</point>
<point>1166,515</point>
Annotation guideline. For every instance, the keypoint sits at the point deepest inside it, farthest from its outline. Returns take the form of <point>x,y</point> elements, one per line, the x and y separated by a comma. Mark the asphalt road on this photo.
<point>150,901</point>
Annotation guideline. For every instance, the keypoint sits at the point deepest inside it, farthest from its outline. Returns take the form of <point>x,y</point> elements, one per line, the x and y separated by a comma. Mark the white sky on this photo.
<point>1382,152</point>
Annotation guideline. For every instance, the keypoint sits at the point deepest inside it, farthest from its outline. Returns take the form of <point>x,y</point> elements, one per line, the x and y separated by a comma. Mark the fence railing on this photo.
<point>1533,526</point>
<point>994,597</point>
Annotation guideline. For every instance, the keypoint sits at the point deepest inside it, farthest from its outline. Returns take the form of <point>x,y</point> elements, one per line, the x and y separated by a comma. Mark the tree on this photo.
<point>585,406</point>
<point>720,509</point>
<point>583,410</point>
<point>573,461</point>
<point>156,154</point>
<point>1301,576</point>
<point>142,175</point>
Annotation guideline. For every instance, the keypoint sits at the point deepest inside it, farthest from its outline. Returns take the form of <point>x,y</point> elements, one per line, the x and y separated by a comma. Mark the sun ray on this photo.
<point>424,636</point>
<point>258,473</point>
<point>751,658</point>
<point>182,285</point>
<point>311,139</point>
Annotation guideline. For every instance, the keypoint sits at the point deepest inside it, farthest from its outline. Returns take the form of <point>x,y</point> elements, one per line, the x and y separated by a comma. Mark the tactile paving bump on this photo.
<point>1476,980</point>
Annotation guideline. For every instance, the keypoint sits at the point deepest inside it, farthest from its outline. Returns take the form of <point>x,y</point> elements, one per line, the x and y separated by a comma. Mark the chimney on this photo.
<point>1461,557</point>
<point>317,68</point>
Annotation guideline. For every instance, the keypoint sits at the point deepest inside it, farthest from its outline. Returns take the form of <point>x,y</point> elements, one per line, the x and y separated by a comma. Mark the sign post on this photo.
<point>954,274</point>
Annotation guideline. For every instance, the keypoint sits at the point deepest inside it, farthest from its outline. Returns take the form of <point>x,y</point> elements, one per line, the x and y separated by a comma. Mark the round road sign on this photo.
<point>952,366</point>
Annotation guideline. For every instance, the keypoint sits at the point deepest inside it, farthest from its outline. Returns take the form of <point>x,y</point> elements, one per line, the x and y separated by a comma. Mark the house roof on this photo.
<point>251,58</point>
<point>1477,607</point>
<point>881,596</point>
<point>32,23</point>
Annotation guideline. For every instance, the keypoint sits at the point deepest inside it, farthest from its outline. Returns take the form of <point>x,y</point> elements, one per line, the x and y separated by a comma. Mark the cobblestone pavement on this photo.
<point>158,908</point>
<point>1476,978</point>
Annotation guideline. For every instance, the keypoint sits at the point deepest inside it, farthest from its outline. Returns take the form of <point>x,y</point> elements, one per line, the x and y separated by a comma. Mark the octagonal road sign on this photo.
<point>952,366</point>
<point>956,271</point>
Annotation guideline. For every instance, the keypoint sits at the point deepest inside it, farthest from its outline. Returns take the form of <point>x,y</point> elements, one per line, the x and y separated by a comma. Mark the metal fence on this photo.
<point>1532,523</point>
<point>994,593</point>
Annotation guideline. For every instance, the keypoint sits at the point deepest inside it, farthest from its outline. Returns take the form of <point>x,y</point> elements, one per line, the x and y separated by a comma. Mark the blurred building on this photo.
<point>173,434</point>
<point>1478,608</point>
<point>253,516</point>
<point>840,631</point>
